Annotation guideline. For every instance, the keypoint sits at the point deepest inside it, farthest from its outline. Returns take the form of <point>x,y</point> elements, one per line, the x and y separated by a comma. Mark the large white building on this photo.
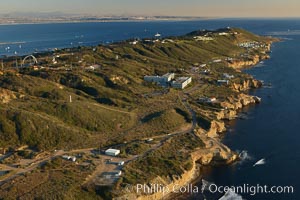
<point>169,79</point>
<point>112,152</point>
<point>181,82</point>
<point>160,79</point>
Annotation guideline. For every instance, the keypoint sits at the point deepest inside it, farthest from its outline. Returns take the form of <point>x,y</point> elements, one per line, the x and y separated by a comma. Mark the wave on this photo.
<point>231,195</point>
<point>260,162</point>
<point>245,156</point>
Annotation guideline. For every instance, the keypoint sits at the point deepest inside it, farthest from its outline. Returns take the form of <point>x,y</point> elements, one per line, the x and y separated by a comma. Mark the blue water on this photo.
<point>272,130</point>
<point>28,38</point>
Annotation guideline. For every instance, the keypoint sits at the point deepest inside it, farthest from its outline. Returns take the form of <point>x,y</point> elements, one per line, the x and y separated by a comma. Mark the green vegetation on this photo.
<point>73,105</point>
<point>171,159</point>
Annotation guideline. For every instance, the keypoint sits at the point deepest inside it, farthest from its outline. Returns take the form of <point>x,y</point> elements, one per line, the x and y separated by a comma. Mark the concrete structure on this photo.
<point>162,80</point>
<point>112,152</point>
<point>181,82</point>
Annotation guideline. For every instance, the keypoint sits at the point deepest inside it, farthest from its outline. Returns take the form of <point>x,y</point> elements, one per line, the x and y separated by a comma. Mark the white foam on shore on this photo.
<point>245,156</point>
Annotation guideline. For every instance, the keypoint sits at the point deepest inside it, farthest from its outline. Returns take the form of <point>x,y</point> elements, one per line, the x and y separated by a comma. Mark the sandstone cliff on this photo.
<point>214,153</point>
<point>247,62</point>
<point>246,85</point>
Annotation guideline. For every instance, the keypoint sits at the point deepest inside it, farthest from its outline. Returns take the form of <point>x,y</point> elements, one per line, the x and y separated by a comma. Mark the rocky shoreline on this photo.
<point>215,153</point>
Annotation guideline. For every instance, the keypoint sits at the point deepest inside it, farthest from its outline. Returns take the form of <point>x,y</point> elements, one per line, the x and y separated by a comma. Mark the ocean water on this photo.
<point>271,130</point>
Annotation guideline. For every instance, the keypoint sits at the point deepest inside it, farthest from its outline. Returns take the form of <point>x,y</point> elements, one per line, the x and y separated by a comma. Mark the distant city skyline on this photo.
<point>199,8</point>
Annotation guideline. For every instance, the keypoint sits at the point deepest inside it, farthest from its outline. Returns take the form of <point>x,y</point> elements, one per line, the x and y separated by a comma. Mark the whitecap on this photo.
<point>260,162</point>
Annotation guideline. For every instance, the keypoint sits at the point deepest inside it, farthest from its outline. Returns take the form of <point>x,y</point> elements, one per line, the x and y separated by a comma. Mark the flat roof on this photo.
<point>168,74</point>
<point>112,151</point>
<point>181,79</point>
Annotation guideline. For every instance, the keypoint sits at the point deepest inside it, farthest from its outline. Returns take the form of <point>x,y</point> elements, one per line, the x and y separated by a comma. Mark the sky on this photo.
<point>201,8</point>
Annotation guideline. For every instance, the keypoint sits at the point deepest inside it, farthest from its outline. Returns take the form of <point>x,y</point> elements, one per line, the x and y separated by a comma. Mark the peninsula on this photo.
<point>96,122</point>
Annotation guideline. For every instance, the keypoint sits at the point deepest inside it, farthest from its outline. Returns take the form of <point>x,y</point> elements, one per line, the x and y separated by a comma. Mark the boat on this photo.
<point>157,35</point>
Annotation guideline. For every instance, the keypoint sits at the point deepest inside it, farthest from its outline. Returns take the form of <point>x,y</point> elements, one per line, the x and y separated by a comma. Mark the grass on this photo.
<point>112,105</point>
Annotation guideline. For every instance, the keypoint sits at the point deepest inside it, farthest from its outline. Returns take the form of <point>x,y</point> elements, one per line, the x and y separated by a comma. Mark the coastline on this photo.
<point>110,21</point>
<point>213,152</point>
<point>210,159</point>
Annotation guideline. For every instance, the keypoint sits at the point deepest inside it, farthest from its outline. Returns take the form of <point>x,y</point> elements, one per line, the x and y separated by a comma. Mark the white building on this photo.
<point>160,79</point>
<point>112,152</point>
<point>181,82</point>
<point>222,82</point>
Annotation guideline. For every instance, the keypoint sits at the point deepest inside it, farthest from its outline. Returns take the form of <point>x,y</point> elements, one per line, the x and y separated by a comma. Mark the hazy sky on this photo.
<point>209,8</point>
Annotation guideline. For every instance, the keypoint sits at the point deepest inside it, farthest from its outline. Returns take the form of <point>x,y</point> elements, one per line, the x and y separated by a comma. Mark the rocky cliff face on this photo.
<point>215,153</point>
<point>246,85</point>
<point>215,128</point>
<point>250,61</point>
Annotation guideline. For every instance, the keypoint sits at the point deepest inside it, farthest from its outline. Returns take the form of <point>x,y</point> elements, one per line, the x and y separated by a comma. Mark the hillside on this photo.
<point>96,97</point>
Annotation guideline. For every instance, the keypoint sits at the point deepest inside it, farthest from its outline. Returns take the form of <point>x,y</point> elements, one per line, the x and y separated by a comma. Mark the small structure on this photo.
<point>149,140</point>
<point>121,163</point>
<point>227,76</point>
<point>118,173</point>
<point>133,42</point>
<point>93,67</point>
<point>181,82</point>
<point>223,82</point>
<point>217,61</point>
<point>203,38</point>
<point>71,158</point>
<point>112,152</point>
<point>207,100</point>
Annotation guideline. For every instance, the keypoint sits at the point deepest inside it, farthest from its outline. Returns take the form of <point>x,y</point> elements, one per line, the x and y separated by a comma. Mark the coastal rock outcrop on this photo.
<point>246,85</point>
<point>247,62</point>
<point>214,154</point>
<point>216,127</point>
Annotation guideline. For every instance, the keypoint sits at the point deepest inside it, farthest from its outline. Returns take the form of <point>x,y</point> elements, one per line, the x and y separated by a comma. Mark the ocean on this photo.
<point>270,131</point>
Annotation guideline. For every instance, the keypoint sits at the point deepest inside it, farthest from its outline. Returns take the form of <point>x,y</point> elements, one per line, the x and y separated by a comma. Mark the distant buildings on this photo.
<point>203,38</point>
<point>252,44</point>
<point>169,79</point>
